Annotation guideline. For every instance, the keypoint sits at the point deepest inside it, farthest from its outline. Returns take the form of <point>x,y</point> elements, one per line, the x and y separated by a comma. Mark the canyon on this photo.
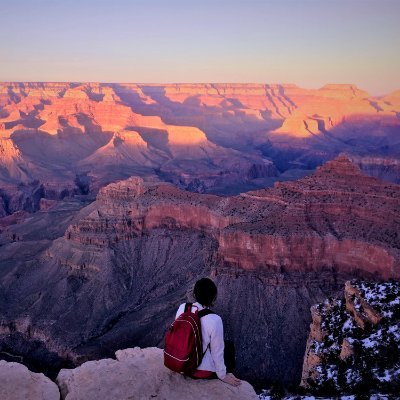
<point>81,279</point>
<point>58,140</point>
<point>116,198</point>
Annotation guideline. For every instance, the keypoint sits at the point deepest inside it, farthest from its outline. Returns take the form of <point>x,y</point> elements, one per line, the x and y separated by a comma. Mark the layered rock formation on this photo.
<point>127,260</point>
<point>354,341</point>
<point>223,138</point>
<point>386,168</point>
<point>273,230</point>
<point>54,132</point>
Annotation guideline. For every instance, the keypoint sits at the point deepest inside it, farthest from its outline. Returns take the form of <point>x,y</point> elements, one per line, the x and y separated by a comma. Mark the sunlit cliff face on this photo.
<point>334,219</point>
<point>223,138</point>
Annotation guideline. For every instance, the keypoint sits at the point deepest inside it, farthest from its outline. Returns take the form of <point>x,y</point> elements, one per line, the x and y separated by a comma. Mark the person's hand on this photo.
<point>231,379</point>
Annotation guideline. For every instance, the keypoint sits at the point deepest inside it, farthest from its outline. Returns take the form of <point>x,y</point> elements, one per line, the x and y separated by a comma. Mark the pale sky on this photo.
<point>307,42</point>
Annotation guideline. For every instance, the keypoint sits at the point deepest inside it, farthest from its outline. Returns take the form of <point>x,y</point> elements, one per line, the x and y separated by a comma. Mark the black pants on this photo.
<point>229,356</point>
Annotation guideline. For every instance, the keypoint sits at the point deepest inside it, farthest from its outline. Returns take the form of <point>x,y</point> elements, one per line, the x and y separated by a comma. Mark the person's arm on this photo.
<point>217,346</point>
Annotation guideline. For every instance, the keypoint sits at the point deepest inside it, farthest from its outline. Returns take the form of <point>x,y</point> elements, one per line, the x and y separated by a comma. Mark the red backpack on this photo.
<point>183,350</point>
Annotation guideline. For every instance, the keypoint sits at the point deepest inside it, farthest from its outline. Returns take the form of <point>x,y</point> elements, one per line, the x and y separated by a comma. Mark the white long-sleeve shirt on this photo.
<point>212,333</point>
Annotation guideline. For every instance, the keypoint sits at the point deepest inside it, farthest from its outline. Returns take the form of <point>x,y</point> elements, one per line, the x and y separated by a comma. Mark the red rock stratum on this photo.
<point>336,219</point>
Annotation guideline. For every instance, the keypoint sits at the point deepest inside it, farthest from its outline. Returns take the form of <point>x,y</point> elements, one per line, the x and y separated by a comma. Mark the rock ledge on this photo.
<point>17,382</point>
<point>140,374</point>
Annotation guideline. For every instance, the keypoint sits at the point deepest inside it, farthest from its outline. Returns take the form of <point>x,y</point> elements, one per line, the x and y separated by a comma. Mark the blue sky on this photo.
<point>309,43</point>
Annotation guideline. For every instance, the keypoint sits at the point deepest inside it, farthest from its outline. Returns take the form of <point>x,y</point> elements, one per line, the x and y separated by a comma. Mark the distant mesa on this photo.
<point>342,90</point>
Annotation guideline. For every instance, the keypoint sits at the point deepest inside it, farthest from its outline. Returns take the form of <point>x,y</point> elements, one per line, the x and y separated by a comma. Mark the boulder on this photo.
<point>17,383</point>
<point>140,374</point>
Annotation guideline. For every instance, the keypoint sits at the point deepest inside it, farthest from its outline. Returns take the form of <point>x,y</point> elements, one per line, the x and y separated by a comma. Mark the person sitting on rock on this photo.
<point>218,355</point>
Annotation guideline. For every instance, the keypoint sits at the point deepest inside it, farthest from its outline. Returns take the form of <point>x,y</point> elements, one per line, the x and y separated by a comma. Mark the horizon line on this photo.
<point>288,84</point>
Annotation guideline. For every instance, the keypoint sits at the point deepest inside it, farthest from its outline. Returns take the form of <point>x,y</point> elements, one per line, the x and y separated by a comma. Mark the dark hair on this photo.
<point>205,292</point>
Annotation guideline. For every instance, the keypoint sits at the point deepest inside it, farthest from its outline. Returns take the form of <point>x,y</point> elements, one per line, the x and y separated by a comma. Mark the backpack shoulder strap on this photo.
<point>204,312</point>
<point>188,307</point>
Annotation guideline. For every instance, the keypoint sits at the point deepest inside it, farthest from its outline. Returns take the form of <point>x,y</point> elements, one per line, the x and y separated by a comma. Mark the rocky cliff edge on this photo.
<point>135,374</point>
